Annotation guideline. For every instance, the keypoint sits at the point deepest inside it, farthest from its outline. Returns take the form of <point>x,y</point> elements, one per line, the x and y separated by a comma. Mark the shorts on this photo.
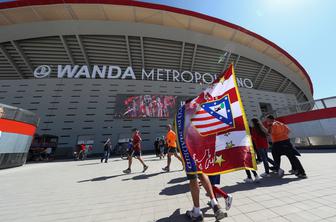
<point>134,153</point>
<point>172,150</point>
<point>214,179</point>
<point>192,176</point>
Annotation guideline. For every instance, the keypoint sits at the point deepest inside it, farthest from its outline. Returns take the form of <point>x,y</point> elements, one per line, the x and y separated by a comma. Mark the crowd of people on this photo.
<point>271,133</point>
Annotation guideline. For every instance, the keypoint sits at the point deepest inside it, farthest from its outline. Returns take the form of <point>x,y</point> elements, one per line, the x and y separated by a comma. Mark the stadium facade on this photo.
<point>96,69</point>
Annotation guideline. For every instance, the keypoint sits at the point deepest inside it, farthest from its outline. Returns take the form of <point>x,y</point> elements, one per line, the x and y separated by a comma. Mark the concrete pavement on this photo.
<point>90,191</point>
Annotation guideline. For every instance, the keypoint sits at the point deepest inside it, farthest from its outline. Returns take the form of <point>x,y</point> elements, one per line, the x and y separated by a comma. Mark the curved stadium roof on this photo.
<point>23,12</point>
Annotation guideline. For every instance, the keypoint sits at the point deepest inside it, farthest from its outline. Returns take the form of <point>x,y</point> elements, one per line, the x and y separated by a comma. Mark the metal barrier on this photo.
<point>303,107</point>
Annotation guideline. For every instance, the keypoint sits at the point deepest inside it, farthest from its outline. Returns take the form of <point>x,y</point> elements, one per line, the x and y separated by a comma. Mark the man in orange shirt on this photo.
<point>282,146</point>
<point>171,143</point>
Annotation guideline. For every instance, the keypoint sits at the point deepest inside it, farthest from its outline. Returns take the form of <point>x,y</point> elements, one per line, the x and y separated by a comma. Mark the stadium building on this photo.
<point>96,69</point>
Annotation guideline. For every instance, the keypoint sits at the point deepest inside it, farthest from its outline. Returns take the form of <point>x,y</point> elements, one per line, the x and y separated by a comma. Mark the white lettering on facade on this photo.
<point>84,71</point>
<point>240,82</point>
<point>183,76</point>
<point>159,74</point>
<point>176,75</point>
<point>167,72</point>
<point>144,73</point>
<point>198,77</point>
<point>110,72</point>
<point>128,73</point>
<point>115,72</point>
<point>68,70</point>
<point>205,80</point>
<point>101,72</point>
<point>248,83</point>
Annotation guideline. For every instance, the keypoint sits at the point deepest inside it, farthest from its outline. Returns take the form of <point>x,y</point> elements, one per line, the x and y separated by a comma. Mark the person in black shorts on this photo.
<point>135,152</point>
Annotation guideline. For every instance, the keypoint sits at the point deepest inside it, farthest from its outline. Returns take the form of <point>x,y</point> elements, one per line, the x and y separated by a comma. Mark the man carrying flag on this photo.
<point>213,137</point>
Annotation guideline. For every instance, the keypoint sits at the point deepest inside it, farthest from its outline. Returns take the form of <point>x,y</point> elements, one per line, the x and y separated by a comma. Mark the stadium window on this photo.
<point>265,108</point>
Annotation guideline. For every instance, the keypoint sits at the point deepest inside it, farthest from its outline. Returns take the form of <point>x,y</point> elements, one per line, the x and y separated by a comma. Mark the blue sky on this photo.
<point>306,29</point>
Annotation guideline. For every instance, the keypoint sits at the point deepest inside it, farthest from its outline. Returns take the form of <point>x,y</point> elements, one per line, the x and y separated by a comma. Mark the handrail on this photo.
<point>303,107</point>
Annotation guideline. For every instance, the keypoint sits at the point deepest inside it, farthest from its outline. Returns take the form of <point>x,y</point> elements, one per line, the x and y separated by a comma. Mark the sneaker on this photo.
<point>219,214</point>
<point>293,171</point>
<point>145,168</point>
<point>281,173</point>
<point>127,171</point>
<point>166,169</point>
<point>257,179</point>
<point>272,169</point>
<point>248,180</point>
<point>265,175</point>
<point>228,202</point>
<point>301,175</point>
<point>190,214</point>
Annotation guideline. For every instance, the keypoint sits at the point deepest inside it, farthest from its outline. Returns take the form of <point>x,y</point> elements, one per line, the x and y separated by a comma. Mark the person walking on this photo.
<point>249,176</point>
<point>282,146</point>
<point>218,191</point>
<point>259,138</point>
<point>135,151</point>
<point>107,150</point>
<point>157,147</point>
<point>195,214</point>
<point>171,143</point>
<point>81,154</point>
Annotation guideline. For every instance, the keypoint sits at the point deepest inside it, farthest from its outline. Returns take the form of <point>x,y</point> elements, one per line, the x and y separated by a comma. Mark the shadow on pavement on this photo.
<point>178,217</point>
<point>178,180</point>
<point>101,178</point>
<point>155,159</point>
<point>176,189</point>
<point>88,164</point>
<point>266,182</point>
<point>143,176</point>
<point>175,217</point>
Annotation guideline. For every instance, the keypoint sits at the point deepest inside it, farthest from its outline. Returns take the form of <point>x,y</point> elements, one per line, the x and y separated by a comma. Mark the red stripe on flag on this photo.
<point>209,125</point>
<point>239,126</point>
<point>232,95</point>
<point>202,112</point>
<point>202,118</point>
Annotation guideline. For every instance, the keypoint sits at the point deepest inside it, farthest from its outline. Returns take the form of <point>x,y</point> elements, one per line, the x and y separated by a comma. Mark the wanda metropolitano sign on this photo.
<point>116,72</point>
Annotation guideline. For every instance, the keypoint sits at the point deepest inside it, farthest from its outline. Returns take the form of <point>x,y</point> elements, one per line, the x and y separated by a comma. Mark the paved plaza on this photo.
<point>90,191</point>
